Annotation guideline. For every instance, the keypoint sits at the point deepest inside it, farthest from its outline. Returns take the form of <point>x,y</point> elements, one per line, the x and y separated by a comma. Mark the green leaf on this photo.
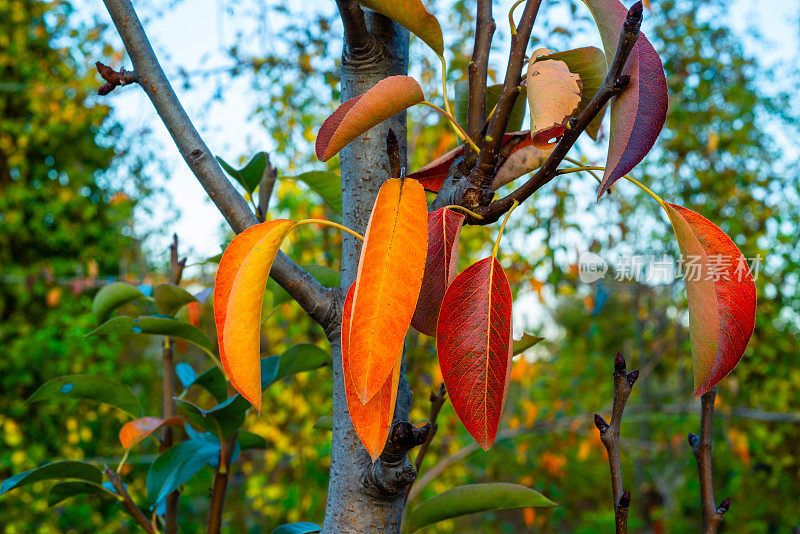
<point>214,382</point>
<point>222,420</point>
<point>186,374</point>
<point>297,528</point>
<point>111,297</point>
<point>65,490</point>
<point>299,359</point>
<point>525,342</point>
<point>56,470</point>
<point>154,325</point>
<point>326,184</point>
<point>89,387</point>
<point>249,440</point>
<point>461,104</point>
<point>177,465</point>
<point>473,498</point>
<point>250,175</point>
<point>325,275</point>
<point>324,423</point>
<point>170,298</point>
<point>589,63</point>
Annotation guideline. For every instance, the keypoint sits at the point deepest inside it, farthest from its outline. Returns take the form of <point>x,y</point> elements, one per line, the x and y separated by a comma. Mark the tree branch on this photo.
<point>113,78</point>
<point>265,187</point>
<point>614,83</point>
<point>712,514</point>
<point>609,435</point>
<point>127,502</point>
<point>484,169</point>
<point>357,39</point>
<point>477,71</point>
<point>437,401</point>
<point>220,487</point>
<point>316,300</point>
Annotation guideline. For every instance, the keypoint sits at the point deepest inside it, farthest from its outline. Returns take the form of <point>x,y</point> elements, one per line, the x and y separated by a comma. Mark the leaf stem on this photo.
<point>459,130</point>
<point>122,461</point>
<point>333,224</point>
<point>502,227</point>
<point>465,210</point>
<point>511,17</point>
<point>453,124</point>
<point>631,179</point>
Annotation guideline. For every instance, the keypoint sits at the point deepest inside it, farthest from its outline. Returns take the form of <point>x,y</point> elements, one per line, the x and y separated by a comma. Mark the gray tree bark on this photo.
<point>362,497</point>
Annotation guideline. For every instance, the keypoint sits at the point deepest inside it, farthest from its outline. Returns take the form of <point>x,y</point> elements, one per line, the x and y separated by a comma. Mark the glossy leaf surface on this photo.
<point>111,297</point>
<point>135,431</point>
<point>722,296</point>
<point>177,465</point>
<point>354,117</point>
<point>54,471</point>
<point>170,298</point>
<point>222,420</point>
<point>474,345</point>
<point>89,387</point>
<point>297,528</point>
<point>251,174</point>
<point>639,113</point>
<point>326,184</point>
<point>65,490</point>
<point>158,325</point>
<point>525,342</point>
<point>387,285</point>
<point>441,267</point>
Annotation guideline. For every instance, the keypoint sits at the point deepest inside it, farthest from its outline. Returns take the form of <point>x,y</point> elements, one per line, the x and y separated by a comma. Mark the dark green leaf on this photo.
<point>154,325</point>
<point>297,528</point>
<point>472,498</point>
<point>249,440</point>
<point>65,490</point>
<point>492,97</point>
<point>324,423</point>
<point>89,387</point>
<point>111,297</point>
<point>170,298</point>
<point>269,370</point>
<point>214,382</point>
<point>326,184</point>
<point>222,420</point>
<point>177,465</point>
<point>56,470</point>
<point>525,342</point>
<point>301,358</point>
<point>250,175</point>
<point>186,374</point>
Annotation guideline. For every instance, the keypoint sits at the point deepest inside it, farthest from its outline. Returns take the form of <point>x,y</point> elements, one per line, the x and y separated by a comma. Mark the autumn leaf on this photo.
<point>639,113</point>
<point>441,266</point>
<point>238,296</point>
<point>474,345</point>
<point>357,115</point>
<point>388,282</point>
<point>412,15</point>
<point>373,420</point>
<point>554,94</point>
<point>523,158</point>
<point>722,296</point>
<point>135,431</point>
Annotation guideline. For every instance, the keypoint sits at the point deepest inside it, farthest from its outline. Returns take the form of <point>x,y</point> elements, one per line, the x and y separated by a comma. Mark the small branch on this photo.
<point>265,187</point>
<point>316,300</point>
<point>701,445</point>
<point>609,435</point>
<point>127,502</point>
<point>113,78</point>
<point>393,151</point>
<point>357,38</point>
<point>391,474</point>
<point>220,486</point>
<point>484,168</point>
<point>613,85</point>
<point>437,401</point>
<point>477,71</point>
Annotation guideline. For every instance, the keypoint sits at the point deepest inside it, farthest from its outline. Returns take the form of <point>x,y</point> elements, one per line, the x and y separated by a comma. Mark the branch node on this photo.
<point>601,424</point>
<point>632,377</point>
<point>724,506</point>
<point>625,500</point>
<point>694,441</point>
<point>393,150</point>
<point>619,365</point>
<point>113,78</point>
<point>634,19</point>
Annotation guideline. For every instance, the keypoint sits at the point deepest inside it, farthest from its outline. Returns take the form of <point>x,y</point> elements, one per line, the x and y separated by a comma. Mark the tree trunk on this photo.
<point>361,496</point>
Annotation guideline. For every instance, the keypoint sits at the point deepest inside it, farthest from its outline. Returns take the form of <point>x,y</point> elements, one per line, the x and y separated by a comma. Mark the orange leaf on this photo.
<point>722,296</point>
<point>554,94</point>
<point>357,115</point>
<point>388,282</point>
<point>135,431</point>
<point>373,420</point>
<point>238,296</point>
<point>412,15</point>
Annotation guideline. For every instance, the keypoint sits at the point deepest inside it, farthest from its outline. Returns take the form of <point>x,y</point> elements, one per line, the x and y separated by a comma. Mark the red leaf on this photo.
<point>638,114</point>
<point>441,266</point>
<point>387,286</point>
<point>722,297</point>
<point>373,420</point>
<point>135,431</point>
<point>474,345</point>
<point>357,115</point>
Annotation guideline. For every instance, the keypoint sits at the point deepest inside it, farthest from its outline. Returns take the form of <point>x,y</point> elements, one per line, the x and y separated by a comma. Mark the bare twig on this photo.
<point>437,401</point>
<point>265,187</point>
<point>393,151</point>
<point>477,72</point>
<point>701,445</point>
<point>484,168</point>
<point>613,85</point>
<point>127,502</point>
<point>113,78</point>
<point>609,435</point>
<point>316,300</point>
<point>356,37</point>
<point>220,487</point>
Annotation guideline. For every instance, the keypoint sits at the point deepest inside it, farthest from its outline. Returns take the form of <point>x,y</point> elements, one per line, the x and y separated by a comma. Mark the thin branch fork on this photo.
<point>701,445</point>
<point>437,398</point>
<point>477,72</point>
<point>357,39</point>
<point>609,435</point>
<point>317,301</point>
<point>127,502</point>
<point>113,78</point>
<point>614,83</point>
